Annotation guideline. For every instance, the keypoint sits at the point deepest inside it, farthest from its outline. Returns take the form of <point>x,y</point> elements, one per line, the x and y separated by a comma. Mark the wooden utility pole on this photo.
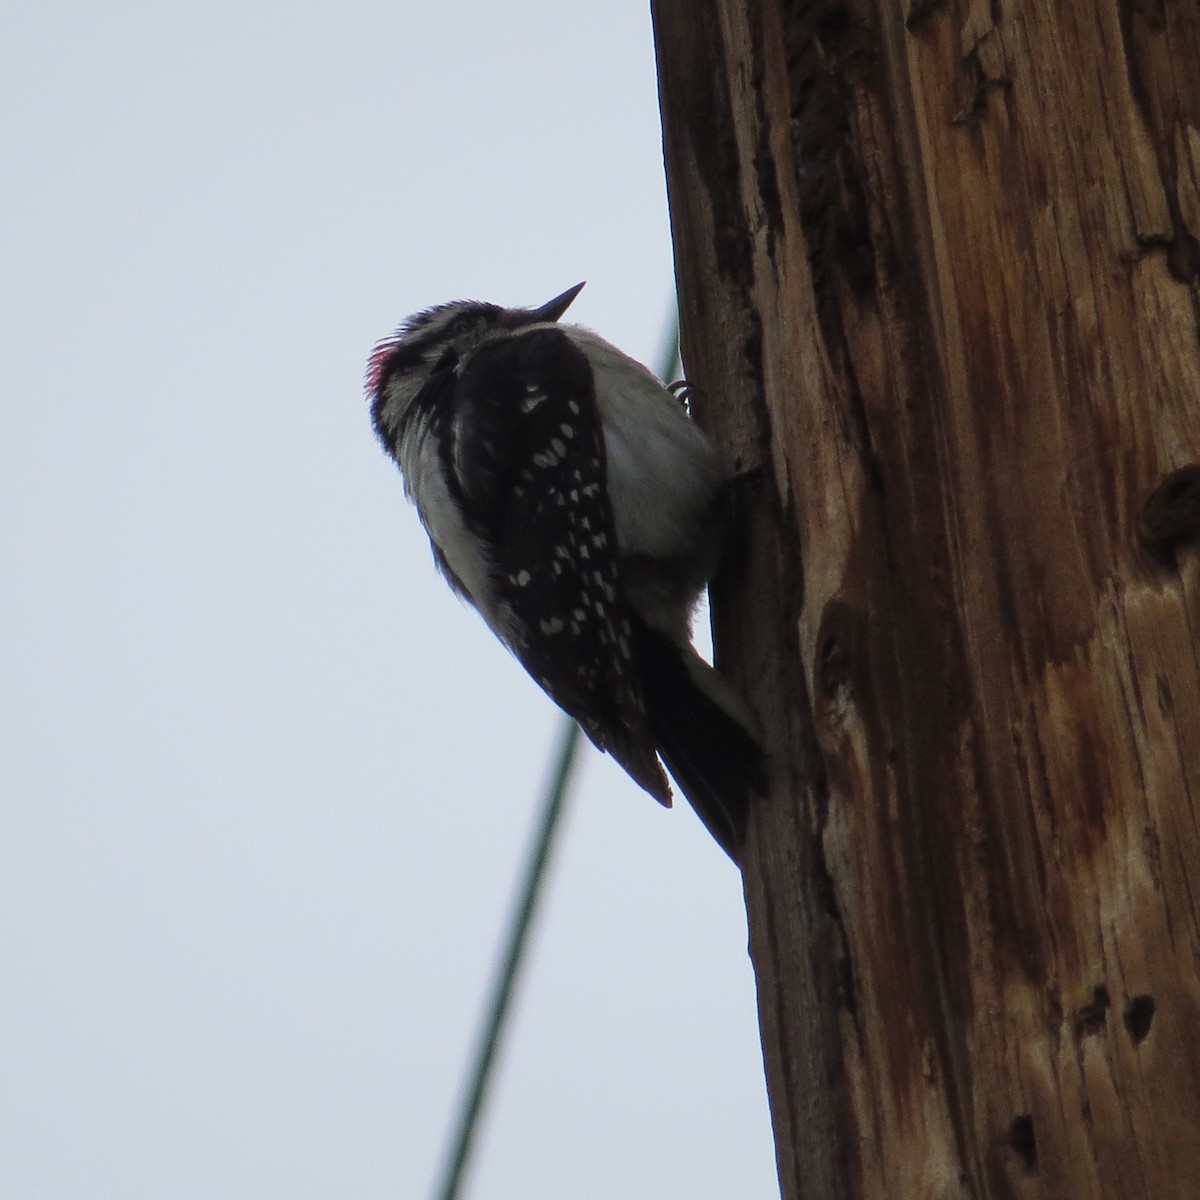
<point>939,276</point>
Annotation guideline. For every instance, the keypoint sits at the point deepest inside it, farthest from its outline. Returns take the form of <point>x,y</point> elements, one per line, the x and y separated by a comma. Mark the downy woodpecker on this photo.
<point>572,501</point>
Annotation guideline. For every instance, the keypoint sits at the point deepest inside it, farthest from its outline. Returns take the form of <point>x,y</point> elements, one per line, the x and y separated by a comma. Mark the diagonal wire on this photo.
<point>497,1008</point>
<point>463,1141</point>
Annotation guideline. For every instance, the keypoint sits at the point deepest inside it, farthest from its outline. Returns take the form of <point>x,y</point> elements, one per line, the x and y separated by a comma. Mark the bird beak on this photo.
<point>553,309</point>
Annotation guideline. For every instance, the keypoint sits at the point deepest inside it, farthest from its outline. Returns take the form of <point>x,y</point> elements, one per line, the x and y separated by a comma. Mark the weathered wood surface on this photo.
<point>939,273</point>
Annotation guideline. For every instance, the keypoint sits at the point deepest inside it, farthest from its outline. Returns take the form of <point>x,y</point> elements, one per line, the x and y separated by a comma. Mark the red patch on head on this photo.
<point>377,363</point>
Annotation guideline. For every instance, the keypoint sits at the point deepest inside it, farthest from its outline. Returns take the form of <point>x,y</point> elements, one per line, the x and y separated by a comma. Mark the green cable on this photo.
<point>502,992</point>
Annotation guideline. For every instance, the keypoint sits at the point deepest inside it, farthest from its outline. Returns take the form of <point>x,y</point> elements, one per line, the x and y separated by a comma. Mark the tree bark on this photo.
<point>939,278</point>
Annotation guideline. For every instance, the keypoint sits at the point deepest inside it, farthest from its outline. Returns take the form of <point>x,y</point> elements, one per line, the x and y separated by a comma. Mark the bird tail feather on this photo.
<point>705,732</point>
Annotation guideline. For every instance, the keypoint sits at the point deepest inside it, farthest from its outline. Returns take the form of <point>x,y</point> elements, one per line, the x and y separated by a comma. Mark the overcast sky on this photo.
<point>264,783</point>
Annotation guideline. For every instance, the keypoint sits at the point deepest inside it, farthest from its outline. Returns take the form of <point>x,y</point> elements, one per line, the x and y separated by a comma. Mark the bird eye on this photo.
<point>461,325</point>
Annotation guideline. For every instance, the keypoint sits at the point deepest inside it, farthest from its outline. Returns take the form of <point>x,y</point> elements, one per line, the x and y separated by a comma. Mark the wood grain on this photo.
<point>939,271</point>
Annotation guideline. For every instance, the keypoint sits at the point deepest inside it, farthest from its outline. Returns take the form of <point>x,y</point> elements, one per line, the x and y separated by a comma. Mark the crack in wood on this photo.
<point>1138,1017</point>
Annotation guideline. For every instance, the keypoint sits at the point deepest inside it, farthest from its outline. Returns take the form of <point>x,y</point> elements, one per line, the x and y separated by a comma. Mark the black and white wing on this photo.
<point>527,453</point>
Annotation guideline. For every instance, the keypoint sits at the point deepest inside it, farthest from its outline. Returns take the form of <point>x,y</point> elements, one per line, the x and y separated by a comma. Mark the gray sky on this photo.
<point>264,782</point>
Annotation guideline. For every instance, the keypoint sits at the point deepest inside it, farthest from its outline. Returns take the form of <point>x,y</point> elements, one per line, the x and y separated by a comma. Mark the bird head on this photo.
<point>435,340</point>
